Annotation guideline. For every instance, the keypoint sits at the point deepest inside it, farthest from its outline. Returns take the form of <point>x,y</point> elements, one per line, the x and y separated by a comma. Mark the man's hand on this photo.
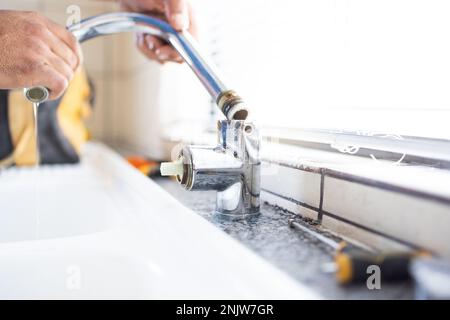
<point>177,12</point>
<point>36,51</point>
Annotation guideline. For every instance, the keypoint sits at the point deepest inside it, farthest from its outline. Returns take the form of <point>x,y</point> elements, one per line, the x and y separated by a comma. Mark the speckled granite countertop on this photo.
<point>297,253</point>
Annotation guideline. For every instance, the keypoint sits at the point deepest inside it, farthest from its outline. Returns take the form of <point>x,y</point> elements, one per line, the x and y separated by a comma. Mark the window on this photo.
<point>377,66</point>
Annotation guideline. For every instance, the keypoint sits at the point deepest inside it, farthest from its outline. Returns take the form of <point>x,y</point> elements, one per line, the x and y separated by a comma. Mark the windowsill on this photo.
<point>378,203</point>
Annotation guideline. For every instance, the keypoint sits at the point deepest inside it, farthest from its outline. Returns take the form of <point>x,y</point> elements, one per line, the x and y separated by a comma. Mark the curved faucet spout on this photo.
<point>227,100</point>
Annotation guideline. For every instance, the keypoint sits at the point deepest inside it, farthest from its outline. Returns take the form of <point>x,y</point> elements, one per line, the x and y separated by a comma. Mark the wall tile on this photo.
<point>416,220</point>
<point>288,205</point>
<point>21,5</point>
<point>354,234</point>
<point>296,184</point>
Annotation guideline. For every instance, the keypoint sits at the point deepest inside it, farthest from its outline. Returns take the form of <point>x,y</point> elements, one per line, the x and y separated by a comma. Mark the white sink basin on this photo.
<point>102,230</point>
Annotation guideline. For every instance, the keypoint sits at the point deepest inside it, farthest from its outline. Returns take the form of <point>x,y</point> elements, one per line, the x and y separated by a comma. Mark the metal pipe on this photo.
<point>227,100</point>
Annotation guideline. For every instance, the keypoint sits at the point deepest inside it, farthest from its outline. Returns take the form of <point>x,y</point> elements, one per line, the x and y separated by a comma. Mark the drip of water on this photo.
<point>36,132</point>
<point>38,161</point>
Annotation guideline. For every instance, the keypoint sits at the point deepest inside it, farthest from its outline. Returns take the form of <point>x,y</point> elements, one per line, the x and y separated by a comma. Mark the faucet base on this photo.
<point>239,200</point>
<point>232,168</point>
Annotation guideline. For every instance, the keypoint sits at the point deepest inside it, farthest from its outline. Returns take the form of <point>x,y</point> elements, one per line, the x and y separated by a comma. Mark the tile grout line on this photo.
<point>322,189</point>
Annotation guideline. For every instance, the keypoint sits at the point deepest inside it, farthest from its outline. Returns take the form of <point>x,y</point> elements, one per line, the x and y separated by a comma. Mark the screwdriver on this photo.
<point>351,263</point>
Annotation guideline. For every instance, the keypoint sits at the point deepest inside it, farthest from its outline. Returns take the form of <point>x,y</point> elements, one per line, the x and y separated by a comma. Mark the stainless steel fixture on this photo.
<point>232,168</point>
<point>38,94</point>
<point>227,100</point>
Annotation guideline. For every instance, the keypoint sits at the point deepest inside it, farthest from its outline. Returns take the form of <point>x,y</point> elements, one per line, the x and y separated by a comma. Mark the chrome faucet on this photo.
<point>227,100</point>
<point>232,168</point>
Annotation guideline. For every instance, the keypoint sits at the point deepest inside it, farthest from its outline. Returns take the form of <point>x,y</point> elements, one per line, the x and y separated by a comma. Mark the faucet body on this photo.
<point>232,168</point>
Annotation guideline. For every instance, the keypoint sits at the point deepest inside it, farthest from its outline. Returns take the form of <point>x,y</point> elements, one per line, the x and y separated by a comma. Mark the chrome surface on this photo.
<point>183,43</point>
<point>232,168</point>
<point>113,23</point>
<point>38,94</point>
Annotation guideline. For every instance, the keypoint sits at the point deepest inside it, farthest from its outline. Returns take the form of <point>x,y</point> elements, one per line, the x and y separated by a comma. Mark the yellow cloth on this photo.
<point>72,110</point>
